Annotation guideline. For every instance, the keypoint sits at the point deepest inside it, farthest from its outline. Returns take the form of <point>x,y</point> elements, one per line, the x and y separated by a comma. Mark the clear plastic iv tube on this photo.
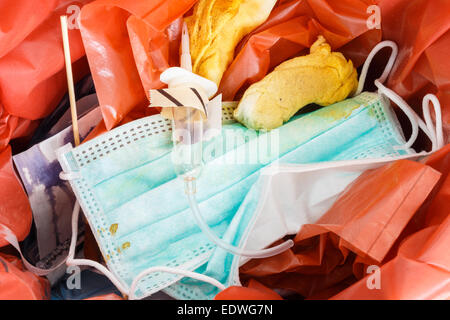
<point>190,189</point>
<point>187,157</point>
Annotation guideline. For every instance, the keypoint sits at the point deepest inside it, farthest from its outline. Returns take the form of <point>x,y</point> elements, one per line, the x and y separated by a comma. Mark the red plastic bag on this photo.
<point>423,65</point>
<point>18,284</point>
<point>426,246</point>
<point>360,228</point>
<point>439,208</point>
<point>128,45</point>
<point>254,291</point>
<point>17,22</point>
<point>32,81</point>
<point>32,63</point>
<point>36,65</point>
<point>426,254</point>
<point>15,210</point>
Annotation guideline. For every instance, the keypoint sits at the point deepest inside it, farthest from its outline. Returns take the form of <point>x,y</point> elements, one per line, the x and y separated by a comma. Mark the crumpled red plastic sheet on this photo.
<point>36,63</point>
<point>32,81</point>
<point>19,284</point>
<point>253,291</point>
<point>439,205</point>
<point>359,229</point>
<point>15,210</point>
<point>421,270</point>
<point>110,296</point>
<point>423,65</point>
<point>12,127</point>
<point>422,249</point>
<point>129,44</point>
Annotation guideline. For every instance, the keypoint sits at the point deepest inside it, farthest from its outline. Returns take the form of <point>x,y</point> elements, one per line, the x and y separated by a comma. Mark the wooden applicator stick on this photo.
<point>70,86</point>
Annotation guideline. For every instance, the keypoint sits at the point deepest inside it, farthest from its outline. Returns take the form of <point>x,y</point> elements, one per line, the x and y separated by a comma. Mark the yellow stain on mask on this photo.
<point>113,228</point>
<point>338,113</point>
<point>125,246</point>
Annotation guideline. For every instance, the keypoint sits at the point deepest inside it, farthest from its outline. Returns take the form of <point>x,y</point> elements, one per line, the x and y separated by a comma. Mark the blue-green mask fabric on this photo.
<point>138,210</point>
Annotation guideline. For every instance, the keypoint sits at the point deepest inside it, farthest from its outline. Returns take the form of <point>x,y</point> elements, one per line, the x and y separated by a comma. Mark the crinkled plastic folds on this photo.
<point>19,284</point>
<point>422,250</point>
<point>32,82</point>
<point>421,254</point>
<point>31,57</point>
<point>359,229</point>
<point>15,210</point>
<point>253,291</point>
<point>130,42</point>
<point>422,66</point>
<point>110,296</point>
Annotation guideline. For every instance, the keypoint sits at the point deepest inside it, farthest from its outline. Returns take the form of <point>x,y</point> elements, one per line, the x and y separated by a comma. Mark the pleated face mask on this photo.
<point>138,210</point>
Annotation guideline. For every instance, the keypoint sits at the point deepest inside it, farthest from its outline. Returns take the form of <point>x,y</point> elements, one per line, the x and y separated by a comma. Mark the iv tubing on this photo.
<point>255,254</point>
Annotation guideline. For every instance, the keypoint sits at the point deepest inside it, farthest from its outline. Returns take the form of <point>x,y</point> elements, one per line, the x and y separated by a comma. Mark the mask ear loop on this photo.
<point>412,116</point>
<point>181,272</point>
<point>387,69</point>
<point>435,134</point>
<point>255,254</point>
<point>71,261</point>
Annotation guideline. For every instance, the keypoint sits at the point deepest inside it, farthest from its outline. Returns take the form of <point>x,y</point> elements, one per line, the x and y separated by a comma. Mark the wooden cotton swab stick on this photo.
<point>70,86</point>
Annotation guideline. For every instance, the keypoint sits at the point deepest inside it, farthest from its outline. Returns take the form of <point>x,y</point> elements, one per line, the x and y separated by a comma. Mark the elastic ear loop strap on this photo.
<point>368,62</point>
<point>71,261</point>
<point>435,134</point>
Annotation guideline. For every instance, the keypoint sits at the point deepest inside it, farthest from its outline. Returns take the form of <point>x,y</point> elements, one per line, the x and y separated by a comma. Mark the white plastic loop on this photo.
<point>255,254</point>
<point>130,292</point>
<point>412,116</point>
<point>387,69</point>
<point>69,176</point>
<point>181,272</point>
<point>434,133</point>
<point>71,261</point>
